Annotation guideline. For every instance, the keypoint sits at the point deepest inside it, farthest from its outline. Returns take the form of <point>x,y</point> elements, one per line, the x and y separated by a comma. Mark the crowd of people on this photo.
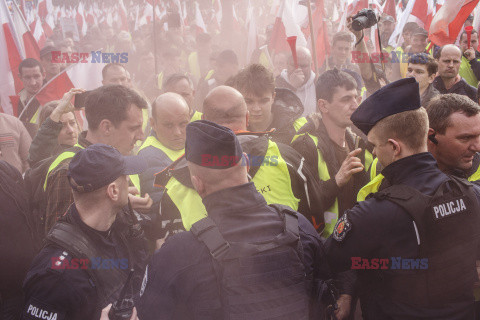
<point>197,184</point>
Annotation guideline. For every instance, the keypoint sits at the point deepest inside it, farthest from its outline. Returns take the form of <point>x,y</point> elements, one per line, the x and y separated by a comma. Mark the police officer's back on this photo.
<point>245,259</point>
<point>88,255</point>
<point>422,223</point>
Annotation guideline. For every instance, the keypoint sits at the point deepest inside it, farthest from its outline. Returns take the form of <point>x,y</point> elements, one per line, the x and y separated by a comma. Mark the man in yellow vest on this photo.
<point>470,65</point>
<point>277,170</point>
<point>269,107</point>
<point>114,115</point>
<point>170,116</point>
<point>332,151</point>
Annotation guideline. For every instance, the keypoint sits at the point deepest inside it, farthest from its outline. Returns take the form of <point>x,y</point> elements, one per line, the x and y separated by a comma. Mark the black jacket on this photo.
<point>461,87</point>
<point>67,289</point>
<point>329,191</point>
<point>181,281</point>
<point>381,229</point>
<point>286,109</point>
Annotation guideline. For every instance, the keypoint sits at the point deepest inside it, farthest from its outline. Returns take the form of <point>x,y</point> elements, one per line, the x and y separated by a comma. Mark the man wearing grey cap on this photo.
<point>90,252</point>
<point>246,260</point>
<point>419,232</point>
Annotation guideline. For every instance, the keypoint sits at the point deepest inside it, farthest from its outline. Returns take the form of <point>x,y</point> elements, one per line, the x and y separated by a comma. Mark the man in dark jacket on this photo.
<point>448,79</point>
<point>89,255</point>
<point>387,232</point>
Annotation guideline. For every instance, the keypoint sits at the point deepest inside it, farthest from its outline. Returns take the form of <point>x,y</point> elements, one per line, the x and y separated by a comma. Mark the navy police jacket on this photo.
<point>180,282</point>
<point>382,229</point>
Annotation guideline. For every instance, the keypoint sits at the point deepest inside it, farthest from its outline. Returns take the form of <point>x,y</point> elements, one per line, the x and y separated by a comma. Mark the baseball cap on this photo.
<point>99,165</point>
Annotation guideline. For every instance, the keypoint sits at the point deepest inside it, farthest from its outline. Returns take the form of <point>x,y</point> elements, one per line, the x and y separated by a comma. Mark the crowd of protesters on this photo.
<point>184,100</point>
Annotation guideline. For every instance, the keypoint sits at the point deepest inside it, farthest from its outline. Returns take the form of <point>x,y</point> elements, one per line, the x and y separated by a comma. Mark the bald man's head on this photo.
<point>450,57</point>
<point>304,59</point>
<point>226,106</point>
<point>170,116</point>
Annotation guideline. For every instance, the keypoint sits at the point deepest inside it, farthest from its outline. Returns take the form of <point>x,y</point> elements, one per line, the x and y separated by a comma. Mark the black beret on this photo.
<point>212,146</point>
<point>399,96</point>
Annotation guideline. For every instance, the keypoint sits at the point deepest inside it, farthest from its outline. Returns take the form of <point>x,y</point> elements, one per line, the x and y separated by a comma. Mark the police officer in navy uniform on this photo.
<point>265,259</point>
<point>415,240</point>
<point>89,253</point>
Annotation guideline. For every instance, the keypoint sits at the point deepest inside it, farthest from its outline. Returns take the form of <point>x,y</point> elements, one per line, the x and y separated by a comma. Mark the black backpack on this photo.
<point>259,281</point>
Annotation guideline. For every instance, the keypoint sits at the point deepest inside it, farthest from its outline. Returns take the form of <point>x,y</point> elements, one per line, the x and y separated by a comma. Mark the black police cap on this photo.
<point>399,96</point>
<point>99,165</point>
<point>211,145</point>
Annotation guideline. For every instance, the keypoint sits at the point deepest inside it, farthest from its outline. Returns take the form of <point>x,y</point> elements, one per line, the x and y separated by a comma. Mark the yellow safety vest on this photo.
<point>402,61</point>
<point>152,141</point>
<point>331,215</point>
<point>70,154</point>
<point>196,116</point>
<point>273,185</point>
<point>375,183</point>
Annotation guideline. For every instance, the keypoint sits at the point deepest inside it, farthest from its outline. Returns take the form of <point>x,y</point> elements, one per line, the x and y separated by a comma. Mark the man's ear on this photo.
<point>396,147</point>
<point>247,118</point>
<point>274,95</point>
<point>198,184</point>
<point>322,106</point>
<point>106,127</point>
<point>113,191</point>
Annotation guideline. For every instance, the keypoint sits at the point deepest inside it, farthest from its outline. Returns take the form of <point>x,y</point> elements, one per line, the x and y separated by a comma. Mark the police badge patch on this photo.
<point>341,228</point>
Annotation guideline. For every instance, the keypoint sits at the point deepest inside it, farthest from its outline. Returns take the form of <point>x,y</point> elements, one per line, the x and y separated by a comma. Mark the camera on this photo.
<point>364,19</point>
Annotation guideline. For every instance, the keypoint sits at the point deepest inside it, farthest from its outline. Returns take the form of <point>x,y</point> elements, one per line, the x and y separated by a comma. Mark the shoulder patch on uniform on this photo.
<point>342,227</point>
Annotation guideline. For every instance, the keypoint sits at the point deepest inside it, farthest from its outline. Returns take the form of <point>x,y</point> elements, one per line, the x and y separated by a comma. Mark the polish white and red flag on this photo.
<point>285,26</point>
<point>449,21</point>
<point>16,44</point>
<point>87,76</point>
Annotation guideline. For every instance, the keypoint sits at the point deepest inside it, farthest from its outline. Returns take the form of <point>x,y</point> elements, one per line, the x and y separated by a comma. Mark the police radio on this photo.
<point>122,309</point>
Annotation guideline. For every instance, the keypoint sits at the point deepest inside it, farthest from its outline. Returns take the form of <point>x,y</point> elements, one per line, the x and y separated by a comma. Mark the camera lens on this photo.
<point>359,23</point>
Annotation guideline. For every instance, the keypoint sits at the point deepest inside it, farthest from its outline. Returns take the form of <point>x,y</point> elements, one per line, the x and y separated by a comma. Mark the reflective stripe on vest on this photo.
<point>475,176</point>
<point>61,157</point>
<point>134,178</point>
<point>300,122</point>
<point>331,215</point>
<point>151,141</point>
<point>196,116</point>
<point>275,186</point>
<point>373,170</point>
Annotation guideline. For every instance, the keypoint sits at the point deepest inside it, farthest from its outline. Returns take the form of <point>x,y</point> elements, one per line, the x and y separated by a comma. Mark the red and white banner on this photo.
<point>449,21</point>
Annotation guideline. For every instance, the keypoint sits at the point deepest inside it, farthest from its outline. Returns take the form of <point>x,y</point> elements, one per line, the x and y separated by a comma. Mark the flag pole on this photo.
<point>312,38</point>
<point>155,37</point>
